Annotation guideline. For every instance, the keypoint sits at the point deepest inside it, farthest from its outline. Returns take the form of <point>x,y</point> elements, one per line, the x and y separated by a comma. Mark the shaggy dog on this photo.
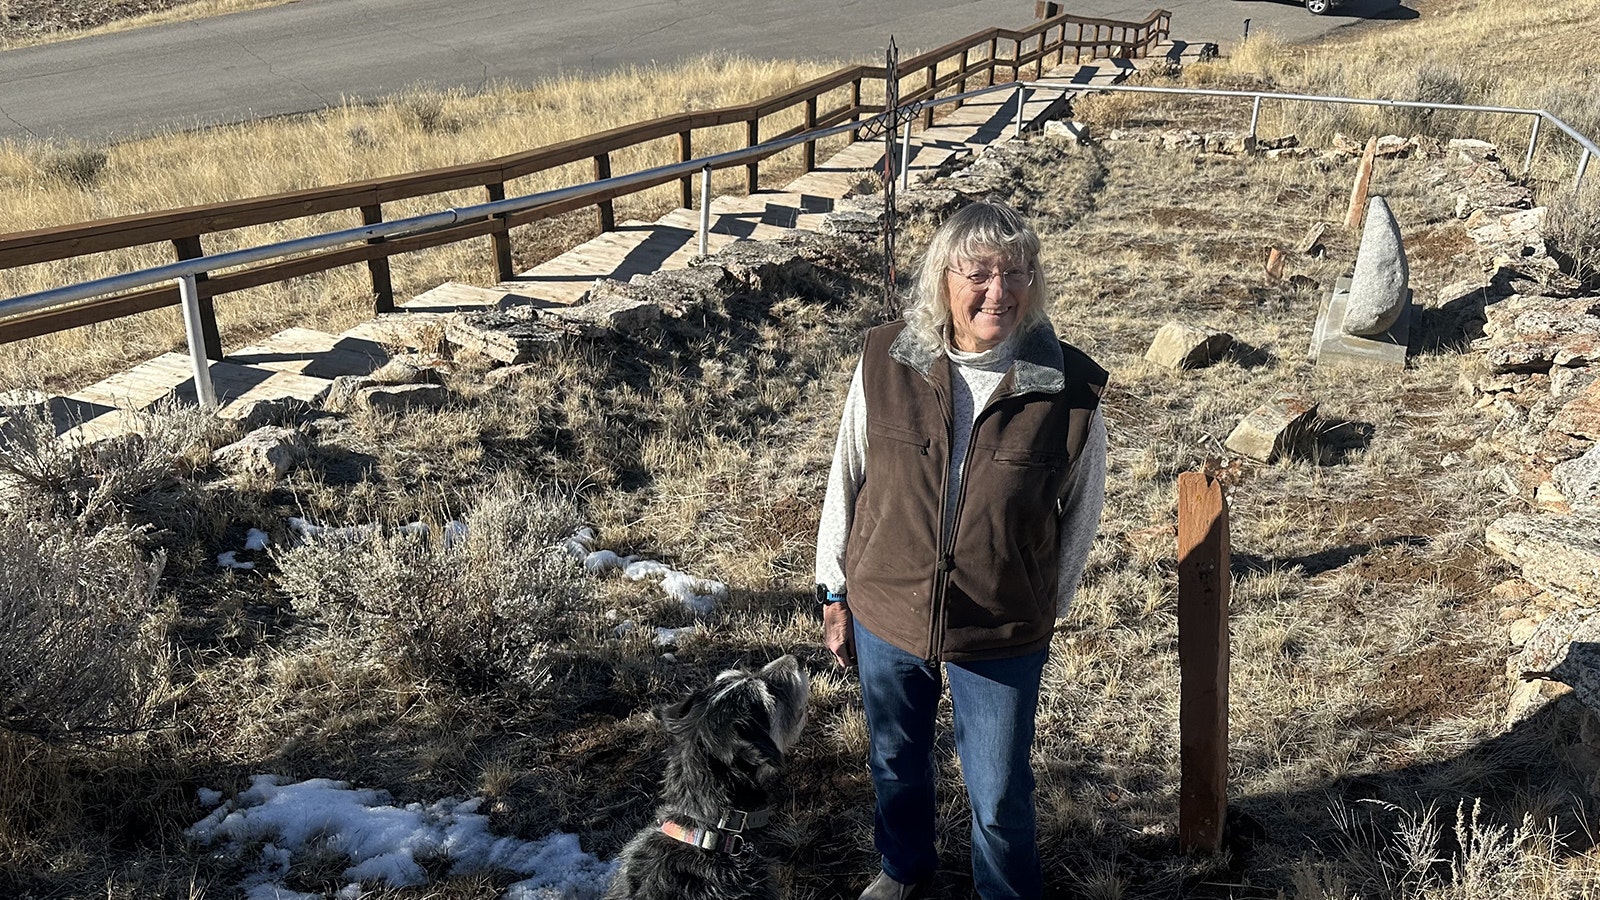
<point>728,741</point>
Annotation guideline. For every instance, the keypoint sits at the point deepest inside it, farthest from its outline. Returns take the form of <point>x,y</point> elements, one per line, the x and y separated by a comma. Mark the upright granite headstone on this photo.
<point>1378,287</point>
<point>1367,319</point>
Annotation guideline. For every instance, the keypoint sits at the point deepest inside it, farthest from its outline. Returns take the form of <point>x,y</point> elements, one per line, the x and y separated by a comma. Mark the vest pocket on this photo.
<point>898,434</point>
<point>1031,459</point>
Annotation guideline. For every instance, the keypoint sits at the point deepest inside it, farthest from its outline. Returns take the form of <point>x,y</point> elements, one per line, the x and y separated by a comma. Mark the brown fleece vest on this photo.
<point>991,591</point>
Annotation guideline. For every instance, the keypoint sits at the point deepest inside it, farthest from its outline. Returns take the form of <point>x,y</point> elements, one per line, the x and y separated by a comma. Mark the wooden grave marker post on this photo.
<point>1203,587</point>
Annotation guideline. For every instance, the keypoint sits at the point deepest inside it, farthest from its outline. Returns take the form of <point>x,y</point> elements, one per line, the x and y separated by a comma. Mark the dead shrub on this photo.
<point>1574,232</point>
<point>80,166</point>
<point>475,608</point>
<point>82,635</point>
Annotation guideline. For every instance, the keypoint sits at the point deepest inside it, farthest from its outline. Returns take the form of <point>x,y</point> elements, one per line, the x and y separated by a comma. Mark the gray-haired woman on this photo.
<point>966,488</point>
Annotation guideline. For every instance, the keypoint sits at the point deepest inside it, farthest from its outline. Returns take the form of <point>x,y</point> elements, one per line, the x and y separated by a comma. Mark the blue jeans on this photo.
<point>995,702</point>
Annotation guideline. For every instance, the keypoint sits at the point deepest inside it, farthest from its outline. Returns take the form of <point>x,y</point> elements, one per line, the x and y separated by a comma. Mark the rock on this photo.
<point>409,368</point>
<point>1539,275</point>
<point>853,223</point>
<point>1348,145</point>
<point>1291,153</point>
<point>608,315</point>
<point>1549,498</point>
<point>401,398</point>
<point>1274,429</point>
<point>1180,346</point>
<point>1580,416</point>
<point>1283,142</point>
<point>1393,145</point>
<point>1521,630</point>
<point>1560,554</point>
<point>265,452</point>
<point>676,291</point>
<point>1517,233</point>
<point>1566,381</point>
<point>343,391</point>
<point>1578,480</point>
<point>1378,289</point>
<point>503,375</point>
<point>1474,151</point>
<point>763,265</point>
<point>271,411</point>
<point>511,336</point>
<point>1532,333</point>
<point>1077,132</point>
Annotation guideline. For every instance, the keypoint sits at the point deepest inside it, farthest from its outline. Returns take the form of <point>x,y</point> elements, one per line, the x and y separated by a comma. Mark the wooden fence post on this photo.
<point>378,267</point>
<point>504,268</point>
<point>855,108</point>
<point>933,91</point>
<point>189,248</point>
<point>1203,587</point>
<point>686,184</point>
<point>810,159</point>
<point>994,48</point>
<point>608,213</point>
<point>752,171</point>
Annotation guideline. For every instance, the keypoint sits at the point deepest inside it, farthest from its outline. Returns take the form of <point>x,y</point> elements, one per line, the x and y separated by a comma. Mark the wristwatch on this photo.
<point>827,597</point>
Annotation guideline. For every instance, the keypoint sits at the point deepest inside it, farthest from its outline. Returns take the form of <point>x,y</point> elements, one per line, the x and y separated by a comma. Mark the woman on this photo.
<point>966,488</point>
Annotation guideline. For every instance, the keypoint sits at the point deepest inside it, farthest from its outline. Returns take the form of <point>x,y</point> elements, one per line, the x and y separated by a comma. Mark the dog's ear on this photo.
<point>678,717</point>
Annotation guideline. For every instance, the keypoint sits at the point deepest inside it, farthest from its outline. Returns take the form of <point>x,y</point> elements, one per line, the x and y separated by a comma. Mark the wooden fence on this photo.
<point>952,68</point>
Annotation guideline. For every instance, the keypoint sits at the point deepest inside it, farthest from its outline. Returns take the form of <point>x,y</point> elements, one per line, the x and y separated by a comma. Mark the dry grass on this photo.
<point>1368,756</point>
<point>46,185</point>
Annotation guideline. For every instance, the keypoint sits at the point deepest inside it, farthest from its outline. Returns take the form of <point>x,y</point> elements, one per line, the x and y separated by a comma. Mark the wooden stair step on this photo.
<point>170,378</point>
<point>635,248</point>
<point>454,297</point>
<point>318,354</point>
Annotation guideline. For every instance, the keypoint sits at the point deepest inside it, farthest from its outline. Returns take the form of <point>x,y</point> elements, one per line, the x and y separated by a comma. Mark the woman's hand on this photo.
<point>838,634</point>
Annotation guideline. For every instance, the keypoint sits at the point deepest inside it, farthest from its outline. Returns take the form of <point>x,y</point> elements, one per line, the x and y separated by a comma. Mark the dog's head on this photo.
<point>745,719</point>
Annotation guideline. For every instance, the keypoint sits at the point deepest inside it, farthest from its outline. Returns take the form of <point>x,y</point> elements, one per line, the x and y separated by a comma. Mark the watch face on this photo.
<point>822,593</point>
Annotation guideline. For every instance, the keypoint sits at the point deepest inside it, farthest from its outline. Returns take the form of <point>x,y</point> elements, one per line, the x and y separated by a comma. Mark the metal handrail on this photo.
<point>1590,149</point>
<point>27,303</point>
<point>186,271</point>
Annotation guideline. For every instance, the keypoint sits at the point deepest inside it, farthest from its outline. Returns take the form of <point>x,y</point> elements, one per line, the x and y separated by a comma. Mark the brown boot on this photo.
<point>885,888</point>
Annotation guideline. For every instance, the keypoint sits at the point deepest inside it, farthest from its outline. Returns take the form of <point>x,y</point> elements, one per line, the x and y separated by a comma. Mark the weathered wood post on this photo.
<point>1363,183</point>
<point>1203,586</point>
<point>378,266</point>
<point>504,266</point>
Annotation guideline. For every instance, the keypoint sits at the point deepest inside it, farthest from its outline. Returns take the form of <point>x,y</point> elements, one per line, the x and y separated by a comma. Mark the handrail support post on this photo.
<point>189,291</point>
<point>1583,166</point>
<point>1020,100</point>
<point>1255,118</point>
<point>705,209</point>
<point>1533,141</point>
<point>905,157</point>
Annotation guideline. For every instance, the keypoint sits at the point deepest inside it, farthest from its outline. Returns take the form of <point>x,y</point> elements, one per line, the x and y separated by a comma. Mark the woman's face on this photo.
<point>985,311</point>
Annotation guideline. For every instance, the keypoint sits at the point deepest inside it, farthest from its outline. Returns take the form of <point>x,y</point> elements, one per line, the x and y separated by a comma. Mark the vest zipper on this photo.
<point>947,542</point>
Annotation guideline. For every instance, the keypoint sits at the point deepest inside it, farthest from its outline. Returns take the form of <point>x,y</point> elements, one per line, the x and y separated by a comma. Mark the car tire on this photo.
<point>1318,7</point>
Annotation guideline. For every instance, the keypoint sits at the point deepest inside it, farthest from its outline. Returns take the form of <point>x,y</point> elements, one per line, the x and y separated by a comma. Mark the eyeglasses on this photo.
<point>1015,279</point>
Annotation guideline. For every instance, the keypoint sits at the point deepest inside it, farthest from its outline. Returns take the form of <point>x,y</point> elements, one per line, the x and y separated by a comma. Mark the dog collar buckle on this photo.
<point>737,820</point>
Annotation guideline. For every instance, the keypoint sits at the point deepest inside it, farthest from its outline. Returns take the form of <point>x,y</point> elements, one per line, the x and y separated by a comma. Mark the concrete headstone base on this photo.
<point>1329,343</point>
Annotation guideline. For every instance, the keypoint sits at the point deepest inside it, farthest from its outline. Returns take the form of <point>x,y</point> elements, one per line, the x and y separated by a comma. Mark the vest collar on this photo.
<point>1039,365</point>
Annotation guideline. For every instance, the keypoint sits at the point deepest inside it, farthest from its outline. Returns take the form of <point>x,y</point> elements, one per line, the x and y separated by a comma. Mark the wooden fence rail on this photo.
<point>187,229</point>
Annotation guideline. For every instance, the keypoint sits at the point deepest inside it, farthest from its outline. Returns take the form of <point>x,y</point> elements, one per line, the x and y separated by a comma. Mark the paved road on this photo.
<point>308,54</point>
